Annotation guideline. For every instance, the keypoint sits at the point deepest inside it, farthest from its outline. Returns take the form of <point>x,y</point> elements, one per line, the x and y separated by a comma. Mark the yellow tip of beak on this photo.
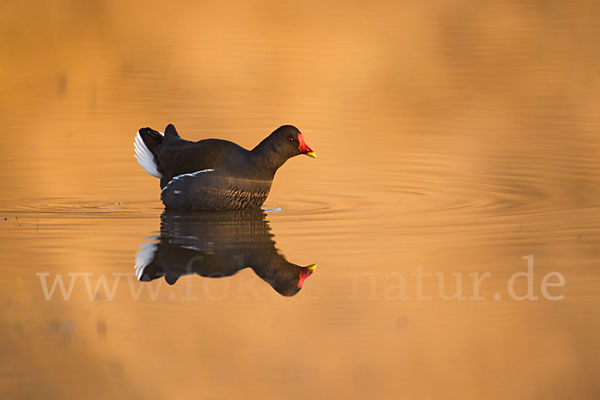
<point>312,154</point>
<point>312,267</point>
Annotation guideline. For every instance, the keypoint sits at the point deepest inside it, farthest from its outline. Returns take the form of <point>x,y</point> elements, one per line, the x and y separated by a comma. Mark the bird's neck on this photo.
<point>266,158</point>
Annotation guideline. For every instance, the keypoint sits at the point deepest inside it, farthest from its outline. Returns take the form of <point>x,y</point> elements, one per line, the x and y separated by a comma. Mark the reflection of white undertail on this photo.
<point>145,256</point>
<point>145,157</point>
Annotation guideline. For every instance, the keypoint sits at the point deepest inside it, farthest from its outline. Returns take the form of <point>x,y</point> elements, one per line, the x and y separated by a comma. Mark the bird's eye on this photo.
<point>291,139</point>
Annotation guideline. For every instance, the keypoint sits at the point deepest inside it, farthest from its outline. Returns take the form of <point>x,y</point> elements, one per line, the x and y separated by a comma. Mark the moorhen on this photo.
<point>214,174</point>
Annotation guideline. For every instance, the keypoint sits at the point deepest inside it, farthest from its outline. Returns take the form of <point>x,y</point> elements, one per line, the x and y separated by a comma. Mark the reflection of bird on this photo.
<point>218,245</point>
<point>215,174</point>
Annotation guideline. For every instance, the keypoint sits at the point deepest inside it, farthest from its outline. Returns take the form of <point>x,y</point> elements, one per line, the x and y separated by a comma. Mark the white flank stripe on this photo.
<point>186,175</point>
<point>145,157</point>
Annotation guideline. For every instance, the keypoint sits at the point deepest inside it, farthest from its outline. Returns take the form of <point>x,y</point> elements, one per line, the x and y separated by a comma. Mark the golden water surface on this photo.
<point>458,143</point>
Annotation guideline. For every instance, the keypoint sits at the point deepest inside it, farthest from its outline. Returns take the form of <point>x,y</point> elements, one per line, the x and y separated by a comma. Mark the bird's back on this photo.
<point>178,156</point>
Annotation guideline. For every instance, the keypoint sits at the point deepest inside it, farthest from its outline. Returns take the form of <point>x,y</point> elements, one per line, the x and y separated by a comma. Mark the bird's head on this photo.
<point>288,141</point>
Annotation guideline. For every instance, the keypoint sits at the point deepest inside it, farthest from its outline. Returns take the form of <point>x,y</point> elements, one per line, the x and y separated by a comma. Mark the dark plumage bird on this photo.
<point>214,174</point>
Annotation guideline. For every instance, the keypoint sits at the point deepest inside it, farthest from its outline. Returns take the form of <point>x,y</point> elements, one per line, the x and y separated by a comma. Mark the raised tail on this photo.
<point>147,144</point>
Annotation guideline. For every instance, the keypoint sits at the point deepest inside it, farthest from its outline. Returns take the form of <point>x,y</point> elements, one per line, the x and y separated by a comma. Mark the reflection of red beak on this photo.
<point>304,149</point>
<point>305,272</point>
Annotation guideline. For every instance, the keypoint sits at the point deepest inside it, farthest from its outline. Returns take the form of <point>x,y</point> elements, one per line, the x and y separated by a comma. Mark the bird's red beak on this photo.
<point>305,272</point>
<point>304,149</point>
